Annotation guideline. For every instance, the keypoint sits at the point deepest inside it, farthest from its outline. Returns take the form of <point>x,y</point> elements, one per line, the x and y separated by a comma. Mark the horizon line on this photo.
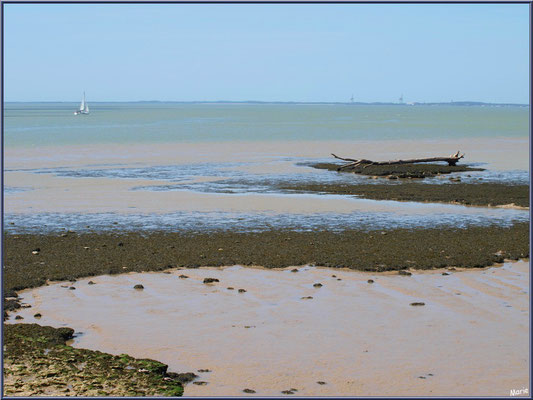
<point>462,102</point>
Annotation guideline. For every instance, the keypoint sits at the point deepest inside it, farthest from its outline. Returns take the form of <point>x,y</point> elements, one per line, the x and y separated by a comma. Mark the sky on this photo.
<point>267,52</point>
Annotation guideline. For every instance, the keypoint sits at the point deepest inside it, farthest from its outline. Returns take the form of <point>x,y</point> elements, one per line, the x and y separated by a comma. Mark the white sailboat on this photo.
<point>84,107</point>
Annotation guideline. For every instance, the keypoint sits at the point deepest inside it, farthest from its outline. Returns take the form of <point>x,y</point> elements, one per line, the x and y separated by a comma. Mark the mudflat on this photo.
<point>308,330</point>
<point>32,259</point>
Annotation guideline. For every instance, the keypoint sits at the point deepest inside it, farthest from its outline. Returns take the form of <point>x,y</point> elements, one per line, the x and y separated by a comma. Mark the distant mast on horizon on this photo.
<point>400,100</point>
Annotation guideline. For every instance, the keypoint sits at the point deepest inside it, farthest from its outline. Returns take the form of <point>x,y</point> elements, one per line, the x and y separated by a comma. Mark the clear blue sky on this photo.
<point>279,52</point>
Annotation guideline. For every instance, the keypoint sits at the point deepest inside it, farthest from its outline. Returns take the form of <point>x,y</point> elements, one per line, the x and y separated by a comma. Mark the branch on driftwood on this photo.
<point>451,160</point>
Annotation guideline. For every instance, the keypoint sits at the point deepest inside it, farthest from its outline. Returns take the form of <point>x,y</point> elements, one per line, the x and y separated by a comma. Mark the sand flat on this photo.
<point>470,339</point>
<point>500,153</point>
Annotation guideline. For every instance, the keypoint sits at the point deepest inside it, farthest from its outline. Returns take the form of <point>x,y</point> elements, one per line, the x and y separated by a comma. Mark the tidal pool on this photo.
<point>470,338</point>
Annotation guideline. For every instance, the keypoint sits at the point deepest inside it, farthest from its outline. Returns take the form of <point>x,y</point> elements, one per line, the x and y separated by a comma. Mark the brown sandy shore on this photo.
<point>307,331</point>
<point>31,260</point>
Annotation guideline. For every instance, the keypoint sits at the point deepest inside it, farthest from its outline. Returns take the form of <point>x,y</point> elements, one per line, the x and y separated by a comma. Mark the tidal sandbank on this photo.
<point>476,194</point>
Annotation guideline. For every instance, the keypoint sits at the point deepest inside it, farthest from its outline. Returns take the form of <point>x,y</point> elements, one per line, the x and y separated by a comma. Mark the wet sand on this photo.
<point>49,193</point>
<point>500,153</point>
<point>470,339</point>
<point>99,195</point>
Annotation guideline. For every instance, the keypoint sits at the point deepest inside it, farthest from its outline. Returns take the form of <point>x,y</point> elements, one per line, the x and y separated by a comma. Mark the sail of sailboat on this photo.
<point>84,107</point>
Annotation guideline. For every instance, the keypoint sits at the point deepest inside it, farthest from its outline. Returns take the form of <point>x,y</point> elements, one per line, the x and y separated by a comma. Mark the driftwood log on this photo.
<point>451,160</point>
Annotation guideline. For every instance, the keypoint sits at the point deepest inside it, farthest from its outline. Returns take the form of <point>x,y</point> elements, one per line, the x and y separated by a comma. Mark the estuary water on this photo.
<point>213,166</point>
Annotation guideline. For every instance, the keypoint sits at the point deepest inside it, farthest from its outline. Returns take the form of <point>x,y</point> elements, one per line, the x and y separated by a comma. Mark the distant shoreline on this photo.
<point>453,103</point>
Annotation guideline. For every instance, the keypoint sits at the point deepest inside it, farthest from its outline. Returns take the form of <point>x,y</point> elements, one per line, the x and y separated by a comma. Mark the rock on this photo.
<point>248,391</point>
<point>370,281</point>
<point>204,370</point>
<point>321,382</point>
<point>183,276</point>
<point>293,270</point>
<point>333,276</point>
<point>19,317</point>
<point>445,273</point>
<point>72,288</point>
<point>307,297</point>
<point>242,290</point>
<point>287,392</point>
<point>138,286</point>
<point>91,283</point>
<point>182,377</point>
<point>392,177</point>
<point>404,273</point>
<point>210,280</point>
<point>417,304</point>
<point>38,315</point>
<point>230,288</point>
<point>317,285</point>
<point>200,383</point>
<point>120,244</point>
<point>36,251</point>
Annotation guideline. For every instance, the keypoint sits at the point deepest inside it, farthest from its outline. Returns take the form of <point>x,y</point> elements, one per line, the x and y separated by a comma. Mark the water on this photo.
<point>38,124</point>
<point>169,166</point>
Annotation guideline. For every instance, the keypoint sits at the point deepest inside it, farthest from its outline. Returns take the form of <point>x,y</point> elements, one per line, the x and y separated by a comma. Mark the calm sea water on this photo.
<point>37,124</point>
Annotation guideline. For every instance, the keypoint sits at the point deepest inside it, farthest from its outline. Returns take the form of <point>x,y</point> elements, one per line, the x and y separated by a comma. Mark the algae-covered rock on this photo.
<point>40,355</point>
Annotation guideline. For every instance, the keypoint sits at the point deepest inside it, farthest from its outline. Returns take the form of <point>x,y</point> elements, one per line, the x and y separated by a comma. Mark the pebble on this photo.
<point>405,273</point>
<point>72,288</point>
<point>210,280</point>
<point>200,383</point>
<point>248,391</point>
<point>19,317</point>
<point>138,286</point>
<point>242,290</point>
<point>204,370</point>
<point>307,297</point>
<point>91,283</point>
<point>445,273</point>
<point>294,270</point>
<point>230,288</point>
<point>183,276</point>
<point>38,315</point>
<point>321,382</point>
<point>317,285</point>
<point>417,304</point>
<point>287,392</point>
<point>370,281</point>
